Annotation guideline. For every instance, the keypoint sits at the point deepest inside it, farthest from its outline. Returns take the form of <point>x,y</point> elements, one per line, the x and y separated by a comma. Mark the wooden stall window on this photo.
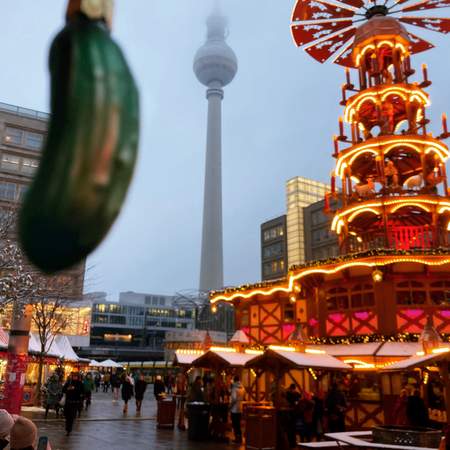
<point>440,293</point>
<point>337,299</point>
<point>411,293</point>
<point>245,318</point>
<point>362,296</point>
<point>289,312</point>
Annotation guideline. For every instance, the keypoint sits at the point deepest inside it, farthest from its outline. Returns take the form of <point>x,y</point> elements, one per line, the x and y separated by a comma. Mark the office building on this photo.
<point>274,259</point>
<point>134,328</point>
<point>320,241</point>
<point>300,193</point>
<point>22,134</point>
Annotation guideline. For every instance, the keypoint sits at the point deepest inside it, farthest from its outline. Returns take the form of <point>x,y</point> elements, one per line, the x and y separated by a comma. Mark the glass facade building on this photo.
<point>300,193</point>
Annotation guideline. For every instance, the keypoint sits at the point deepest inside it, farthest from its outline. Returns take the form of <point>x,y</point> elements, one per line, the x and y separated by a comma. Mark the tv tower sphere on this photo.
<point>215,61</point>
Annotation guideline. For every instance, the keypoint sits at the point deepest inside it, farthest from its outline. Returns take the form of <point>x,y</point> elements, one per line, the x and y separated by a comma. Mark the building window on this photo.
<point>337,299</point>
<point>119,320</point>
<point>273,233</point>
<point>29,165</point>
<point>440,293</point>
<point>7,191</point>
<point>11,162</point>
<point>362,296</point>
<point>13,136</point>
<point>99,318</point>
<point>22,191</point>
<point>273,250</point>
<point>33,140</point>
<point>289,312</point>
<point>411,293</point>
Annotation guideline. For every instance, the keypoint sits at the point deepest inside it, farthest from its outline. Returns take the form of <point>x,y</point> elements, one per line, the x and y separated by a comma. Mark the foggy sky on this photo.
<point>279,115</point>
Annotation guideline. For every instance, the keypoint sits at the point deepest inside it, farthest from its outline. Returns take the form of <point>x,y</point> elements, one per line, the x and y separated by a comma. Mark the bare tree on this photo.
<point>50,317</point>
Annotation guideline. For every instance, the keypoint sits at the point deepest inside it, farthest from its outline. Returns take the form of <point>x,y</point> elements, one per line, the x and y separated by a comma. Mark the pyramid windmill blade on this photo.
<point>344,58</point>
<point>354,3</point>
<point>305,33</point>
<point>440,25</point>
<point>418,44</point>
<point>319,9</point>
<point>325,49</point>
<point>427,4</point>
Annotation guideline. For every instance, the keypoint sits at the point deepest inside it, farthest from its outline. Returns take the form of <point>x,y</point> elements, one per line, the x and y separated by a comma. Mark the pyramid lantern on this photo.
<point>391,170</point>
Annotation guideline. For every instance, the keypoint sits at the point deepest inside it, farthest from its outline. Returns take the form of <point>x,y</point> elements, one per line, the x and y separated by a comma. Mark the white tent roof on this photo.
<point>93,363</point>
<point>109,363</point>
<point>66,348</point>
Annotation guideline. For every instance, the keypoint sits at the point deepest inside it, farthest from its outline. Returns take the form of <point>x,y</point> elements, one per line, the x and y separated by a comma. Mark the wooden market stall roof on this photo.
<point>186,358</point>
<point>417,361</point>
<point>296,360</point>
<point>222,359</point>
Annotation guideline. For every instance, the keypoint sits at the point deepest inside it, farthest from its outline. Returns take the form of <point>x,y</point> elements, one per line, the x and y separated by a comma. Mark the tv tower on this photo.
<point>215,66</point>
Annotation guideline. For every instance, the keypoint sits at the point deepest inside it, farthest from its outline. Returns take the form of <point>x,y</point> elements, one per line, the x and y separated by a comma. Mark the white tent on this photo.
<point>109,363</point>
<point>94,363</point>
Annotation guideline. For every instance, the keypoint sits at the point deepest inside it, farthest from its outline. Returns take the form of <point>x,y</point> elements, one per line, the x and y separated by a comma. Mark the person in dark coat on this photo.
<point>336,408</point>
<point>127,391</point>
<point>73,391</point>
<point>159,388</point>
<point>416,411</point>
<point>139,391</point>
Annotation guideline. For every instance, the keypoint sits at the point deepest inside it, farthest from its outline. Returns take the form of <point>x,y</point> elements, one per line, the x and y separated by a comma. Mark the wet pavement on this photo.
<point>105,427</point>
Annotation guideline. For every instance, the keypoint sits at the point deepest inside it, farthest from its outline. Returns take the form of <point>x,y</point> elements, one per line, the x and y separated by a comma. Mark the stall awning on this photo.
<point>110,364</point>
<point>296,360</point>
<point>222,359</point>
<point>417,361</point>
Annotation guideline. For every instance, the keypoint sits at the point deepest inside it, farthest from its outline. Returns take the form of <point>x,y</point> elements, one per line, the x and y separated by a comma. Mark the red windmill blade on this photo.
<point>325,28</point>
<point>427,4</point>
<point>440,25</point>
<point>304,34</point>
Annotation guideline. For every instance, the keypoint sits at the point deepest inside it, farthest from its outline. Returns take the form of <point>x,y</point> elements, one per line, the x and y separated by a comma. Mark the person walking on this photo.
<point>115,386</point>
<point>97,381</point>
<point>158,389</point>
<point>106,382</point>
<point>88,387</point>
<point>73,391</point>
<point>237,397</point>
<point>127,391</point>
<point>139,390</point>
<point>53,394</point>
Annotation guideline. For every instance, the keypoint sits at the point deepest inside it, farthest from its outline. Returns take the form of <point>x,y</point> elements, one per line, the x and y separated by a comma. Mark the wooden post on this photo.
<point>443,368</point>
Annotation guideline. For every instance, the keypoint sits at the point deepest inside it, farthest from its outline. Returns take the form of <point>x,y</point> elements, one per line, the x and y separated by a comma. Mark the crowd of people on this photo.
<point>75,395</point>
